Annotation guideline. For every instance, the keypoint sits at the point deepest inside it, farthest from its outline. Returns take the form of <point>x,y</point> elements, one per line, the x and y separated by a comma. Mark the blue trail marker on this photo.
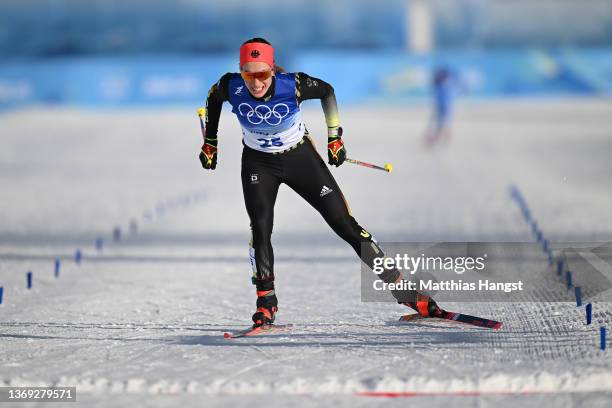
<point>526,214</point>
<point>29,279</point>
<point>56,270</point>
<point>117,234</point>
<point>568,279</point>
<point>559,267</point>
<point>539,235</point>
<point>1,294</point>
<point>602,335</point>
<point>78,256</point>
<point>589,313</point>
<point>99,243</point>
<point>578,292</point>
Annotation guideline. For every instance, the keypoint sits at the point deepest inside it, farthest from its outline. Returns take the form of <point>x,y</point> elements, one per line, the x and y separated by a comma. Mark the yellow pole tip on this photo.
<point>201,112</point>
<point>389,167</point>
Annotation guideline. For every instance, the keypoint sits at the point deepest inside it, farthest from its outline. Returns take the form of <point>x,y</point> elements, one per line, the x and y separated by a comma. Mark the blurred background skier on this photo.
<point>444,87</point>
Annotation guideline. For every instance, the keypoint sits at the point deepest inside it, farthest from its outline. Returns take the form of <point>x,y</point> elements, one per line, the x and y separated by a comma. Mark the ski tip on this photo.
<point>256,330</point>
<point>409,317</point>
<point>497,325</point>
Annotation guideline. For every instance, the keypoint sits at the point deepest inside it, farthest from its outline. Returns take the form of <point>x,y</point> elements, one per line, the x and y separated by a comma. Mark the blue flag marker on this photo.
<point>602,335</point>
<point>559,268</point>
<point>29,280</point>
<point>578,292</point>
<point>99,243</point>
<point>116,234</point>
<point>1,294</point>
<point>539,235</point>
<point>78,256</point>
<point>589,313</point>
<point>56,270</point>
<point>526,214</point>
<point>568,279</point>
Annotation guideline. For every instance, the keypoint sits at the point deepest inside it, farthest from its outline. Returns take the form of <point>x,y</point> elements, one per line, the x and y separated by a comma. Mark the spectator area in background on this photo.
<point>375,77</point>
<point>35,29</point>
<point>148,52</point>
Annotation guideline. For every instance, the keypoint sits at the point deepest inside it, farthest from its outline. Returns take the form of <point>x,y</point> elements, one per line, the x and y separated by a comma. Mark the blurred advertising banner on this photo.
<point>385,77</point>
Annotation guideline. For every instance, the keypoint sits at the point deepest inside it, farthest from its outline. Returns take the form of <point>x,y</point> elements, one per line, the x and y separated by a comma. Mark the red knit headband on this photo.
<point>257,52</point>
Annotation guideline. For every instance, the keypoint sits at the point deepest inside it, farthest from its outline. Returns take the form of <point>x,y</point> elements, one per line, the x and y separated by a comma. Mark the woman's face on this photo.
<point>257,77</point>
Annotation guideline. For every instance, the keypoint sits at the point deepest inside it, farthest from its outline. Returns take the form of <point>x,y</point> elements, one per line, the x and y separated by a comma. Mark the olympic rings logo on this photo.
<point>263,113</point>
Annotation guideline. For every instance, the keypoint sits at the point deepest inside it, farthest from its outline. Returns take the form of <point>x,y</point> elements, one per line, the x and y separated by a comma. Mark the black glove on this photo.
<point>208,156</point>
<point>336,152</point>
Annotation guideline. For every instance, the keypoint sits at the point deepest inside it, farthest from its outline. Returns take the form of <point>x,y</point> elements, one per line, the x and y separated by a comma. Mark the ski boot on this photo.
<point>267,305</point>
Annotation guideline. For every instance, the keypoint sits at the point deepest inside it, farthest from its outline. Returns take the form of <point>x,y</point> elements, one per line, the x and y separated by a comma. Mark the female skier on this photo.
<point>266,100</point>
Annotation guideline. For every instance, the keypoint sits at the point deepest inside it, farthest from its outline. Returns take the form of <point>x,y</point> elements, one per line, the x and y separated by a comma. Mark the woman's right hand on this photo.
<point>208,156</point>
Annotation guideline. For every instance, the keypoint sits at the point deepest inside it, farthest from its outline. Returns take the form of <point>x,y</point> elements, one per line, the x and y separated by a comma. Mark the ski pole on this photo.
<point>388,166</point>
<point>201,114</point>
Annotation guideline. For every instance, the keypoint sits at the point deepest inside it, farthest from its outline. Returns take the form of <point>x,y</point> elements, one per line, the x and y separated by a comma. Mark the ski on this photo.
<point>256,330</point>
<point>457,317</point>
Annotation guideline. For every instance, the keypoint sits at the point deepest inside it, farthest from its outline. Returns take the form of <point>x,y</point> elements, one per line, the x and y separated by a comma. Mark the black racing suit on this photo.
<point>304,171</point>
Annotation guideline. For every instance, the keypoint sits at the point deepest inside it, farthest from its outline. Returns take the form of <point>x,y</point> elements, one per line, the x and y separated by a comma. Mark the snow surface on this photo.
<point>141,322</point>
